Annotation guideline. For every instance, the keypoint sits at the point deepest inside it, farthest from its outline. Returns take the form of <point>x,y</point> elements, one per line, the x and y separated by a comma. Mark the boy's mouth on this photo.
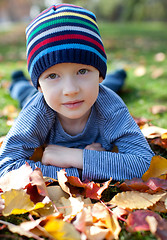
<point>73,104</point>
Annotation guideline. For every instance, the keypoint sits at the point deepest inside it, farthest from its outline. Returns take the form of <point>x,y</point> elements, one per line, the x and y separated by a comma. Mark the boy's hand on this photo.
<point>95,146</point>
<point>63,157</point>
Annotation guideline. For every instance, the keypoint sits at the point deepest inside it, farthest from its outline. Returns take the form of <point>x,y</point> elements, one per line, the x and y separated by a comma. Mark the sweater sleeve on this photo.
<point>29,132</point>
<point>134,153</point>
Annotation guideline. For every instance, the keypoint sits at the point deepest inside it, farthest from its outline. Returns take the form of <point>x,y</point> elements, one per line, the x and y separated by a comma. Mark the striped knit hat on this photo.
<point>61,34</point>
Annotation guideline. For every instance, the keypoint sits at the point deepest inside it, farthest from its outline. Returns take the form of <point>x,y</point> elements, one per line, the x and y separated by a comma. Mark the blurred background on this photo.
<point>135,38</point>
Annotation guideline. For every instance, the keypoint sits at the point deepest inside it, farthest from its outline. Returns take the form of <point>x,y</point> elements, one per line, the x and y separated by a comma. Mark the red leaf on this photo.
<point>76,186</point>
<point>151,186</point>
<point>136,220</point>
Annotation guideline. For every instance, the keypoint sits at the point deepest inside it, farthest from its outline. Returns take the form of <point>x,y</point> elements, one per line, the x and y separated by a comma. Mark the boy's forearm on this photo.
<point>63,157</point>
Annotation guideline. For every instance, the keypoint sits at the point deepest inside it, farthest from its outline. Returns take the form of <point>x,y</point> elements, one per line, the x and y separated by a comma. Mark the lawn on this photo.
<point>133,46</point>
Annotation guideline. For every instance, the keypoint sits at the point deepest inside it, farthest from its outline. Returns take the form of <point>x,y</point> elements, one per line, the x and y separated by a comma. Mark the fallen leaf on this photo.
<point>152,222</point>
<point>56,192</point>
<point>16,179</point>
<point>20,230</point>
<point>158,167</point>
<point>135,200</point>
<point>140,71</point>
<point>60,229</point>
<point>103,219</point>
<point>158,109</point>
<point>157,72</point>
<point>74,186</point>
<point>13,205</point>
<point>1,140</point>
<point>159,207</point>
<point>136,221</point>
<point>153,131</point>
<point>160,57</point>
<point>36,179</point>
<point>152,185</point>
<point>96,233</point>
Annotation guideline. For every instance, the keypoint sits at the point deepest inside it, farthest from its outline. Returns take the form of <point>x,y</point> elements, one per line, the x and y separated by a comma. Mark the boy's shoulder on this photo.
<point>108,102</point>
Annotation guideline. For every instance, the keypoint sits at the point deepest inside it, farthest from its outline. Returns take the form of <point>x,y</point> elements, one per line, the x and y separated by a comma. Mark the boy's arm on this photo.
<point>66,157</point>
<point>29,132</point>
<point>134,155</point>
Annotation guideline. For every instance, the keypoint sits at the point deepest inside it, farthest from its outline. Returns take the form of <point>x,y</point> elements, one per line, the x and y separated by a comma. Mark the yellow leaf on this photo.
<point>18,202</point>
<point>61,230</point>
<point>136,200</point>
<point>104,220</point>
<point>157,168</point>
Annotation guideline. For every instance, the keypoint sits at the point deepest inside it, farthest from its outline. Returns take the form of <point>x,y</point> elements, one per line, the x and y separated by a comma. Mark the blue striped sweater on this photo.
<point>109,123</point>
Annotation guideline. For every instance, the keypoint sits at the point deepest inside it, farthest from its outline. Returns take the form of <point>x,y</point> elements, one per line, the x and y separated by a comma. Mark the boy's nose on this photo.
<point>70,87</point>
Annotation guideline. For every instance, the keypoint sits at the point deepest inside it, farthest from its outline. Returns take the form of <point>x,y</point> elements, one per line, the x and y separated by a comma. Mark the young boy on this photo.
<point>79,121</point>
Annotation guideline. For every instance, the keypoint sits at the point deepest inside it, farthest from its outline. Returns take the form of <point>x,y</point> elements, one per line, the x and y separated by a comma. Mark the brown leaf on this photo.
<point>135,200</point>
<point>152,185</point>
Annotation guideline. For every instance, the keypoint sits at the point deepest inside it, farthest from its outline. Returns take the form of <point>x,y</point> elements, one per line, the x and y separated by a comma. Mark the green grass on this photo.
<point>131,45</point>
<point>128,45</point>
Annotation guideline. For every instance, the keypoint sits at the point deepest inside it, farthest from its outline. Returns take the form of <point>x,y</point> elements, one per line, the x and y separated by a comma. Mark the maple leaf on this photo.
<point>74,186</point>
<point>135,200</point>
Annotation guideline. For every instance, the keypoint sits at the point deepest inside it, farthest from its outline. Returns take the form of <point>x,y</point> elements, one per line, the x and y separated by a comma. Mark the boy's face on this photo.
<point>70,89</point>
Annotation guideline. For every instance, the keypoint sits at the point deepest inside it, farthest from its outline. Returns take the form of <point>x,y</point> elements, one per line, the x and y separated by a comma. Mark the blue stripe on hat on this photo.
<point>63,47</point>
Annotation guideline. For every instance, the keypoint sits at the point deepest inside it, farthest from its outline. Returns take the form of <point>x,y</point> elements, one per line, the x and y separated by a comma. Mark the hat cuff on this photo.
<point>79,56</point>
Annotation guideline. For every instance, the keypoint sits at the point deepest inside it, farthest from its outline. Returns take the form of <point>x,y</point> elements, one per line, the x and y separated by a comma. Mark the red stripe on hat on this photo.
<point>61,38</point>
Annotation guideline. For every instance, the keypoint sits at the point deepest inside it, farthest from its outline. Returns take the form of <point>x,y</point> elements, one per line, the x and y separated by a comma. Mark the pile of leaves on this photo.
<point>39,207</point>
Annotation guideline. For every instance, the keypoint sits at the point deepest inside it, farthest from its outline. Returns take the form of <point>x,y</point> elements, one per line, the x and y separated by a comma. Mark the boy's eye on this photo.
<point>82,71</point>
<point>53,76</point>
